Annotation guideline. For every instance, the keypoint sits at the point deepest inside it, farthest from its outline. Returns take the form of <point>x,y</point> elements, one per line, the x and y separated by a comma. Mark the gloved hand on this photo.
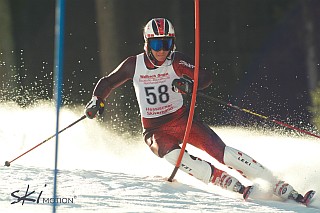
<point>94,107</point>
<point>183,85</point>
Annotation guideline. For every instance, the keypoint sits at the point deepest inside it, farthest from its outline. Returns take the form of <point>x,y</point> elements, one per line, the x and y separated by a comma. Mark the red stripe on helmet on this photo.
<point>160,26</point>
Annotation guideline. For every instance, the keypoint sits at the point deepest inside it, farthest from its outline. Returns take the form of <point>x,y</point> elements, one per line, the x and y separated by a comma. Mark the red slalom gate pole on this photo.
<point>194,92</point>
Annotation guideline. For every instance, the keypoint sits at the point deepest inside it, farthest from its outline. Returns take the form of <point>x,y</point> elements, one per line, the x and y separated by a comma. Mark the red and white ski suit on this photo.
<point>164,119</point>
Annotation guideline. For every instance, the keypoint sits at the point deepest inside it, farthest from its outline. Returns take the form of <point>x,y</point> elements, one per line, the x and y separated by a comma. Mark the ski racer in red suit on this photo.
<point>155,74</point>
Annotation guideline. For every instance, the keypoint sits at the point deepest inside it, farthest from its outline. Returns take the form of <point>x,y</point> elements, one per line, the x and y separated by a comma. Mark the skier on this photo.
<point>160,76</point>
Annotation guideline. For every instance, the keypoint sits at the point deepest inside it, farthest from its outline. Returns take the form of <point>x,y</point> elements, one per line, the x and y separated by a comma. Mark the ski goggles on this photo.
<point>161,44</point>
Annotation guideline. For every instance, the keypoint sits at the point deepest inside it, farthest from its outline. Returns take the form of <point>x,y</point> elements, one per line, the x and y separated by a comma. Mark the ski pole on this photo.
<point>256,114</point>
<point>7,163</point>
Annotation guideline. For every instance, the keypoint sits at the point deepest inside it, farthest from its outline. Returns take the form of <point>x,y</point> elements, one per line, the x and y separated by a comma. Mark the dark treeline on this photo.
<point>264,54</point>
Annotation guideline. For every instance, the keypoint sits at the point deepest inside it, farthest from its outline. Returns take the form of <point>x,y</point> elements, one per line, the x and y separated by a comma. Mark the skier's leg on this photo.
<point>245,164</point>
<point>160,142</point>
<point>204,138</point>
<point>205,172</point>
<point>252,169</point>
<point>223,179</point>
<point>286,191</point>
<point>194,166</point>
<point>166,145</point>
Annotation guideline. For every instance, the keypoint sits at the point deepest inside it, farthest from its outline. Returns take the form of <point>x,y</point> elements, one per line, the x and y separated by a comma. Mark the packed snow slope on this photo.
<point>102,171</point>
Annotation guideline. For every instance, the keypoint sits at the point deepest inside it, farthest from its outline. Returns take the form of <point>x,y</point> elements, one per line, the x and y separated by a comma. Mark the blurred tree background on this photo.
<point>264,55</point>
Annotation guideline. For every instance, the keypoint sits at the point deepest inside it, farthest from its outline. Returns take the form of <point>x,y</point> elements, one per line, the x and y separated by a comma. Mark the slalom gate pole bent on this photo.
<point>258,115</point>
<point>7,163</point>
<point>194,92</point>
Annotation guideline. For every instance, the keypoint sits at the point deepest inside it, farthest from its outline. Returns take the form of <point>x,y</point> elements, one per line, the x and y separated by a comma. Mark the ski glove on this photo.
<point>94,107</point>
<point>183,85</point>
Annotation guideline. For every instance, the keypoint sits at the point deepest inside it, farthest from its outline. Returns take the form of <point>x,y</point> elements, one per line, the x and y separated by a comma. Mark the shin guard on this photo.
<point>246,165</point>
<point>196,167</point>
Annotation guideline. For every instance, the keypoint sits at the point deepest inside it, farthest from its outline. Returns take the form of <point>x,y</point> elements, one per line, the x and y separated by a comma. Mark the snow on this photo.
<point>104,172</point>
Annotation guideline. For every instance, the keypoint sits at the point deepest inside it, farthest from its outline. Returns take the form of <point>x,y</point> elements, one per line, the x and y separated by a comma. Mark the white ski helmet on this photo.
<point>158,28</point>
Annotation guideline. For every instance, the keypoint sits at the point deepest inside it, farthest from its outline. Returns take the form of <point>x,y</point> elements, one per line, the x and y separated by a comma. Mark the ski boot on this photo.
<point>245,191</point>
<point>286,191</point>
<point>299,198</point>
<point>226,181</point>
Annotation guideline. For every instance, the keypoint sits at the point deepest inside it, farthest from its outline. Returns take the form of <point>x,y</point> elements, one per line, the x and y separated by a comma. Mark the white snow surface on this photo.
<point>101,171</point>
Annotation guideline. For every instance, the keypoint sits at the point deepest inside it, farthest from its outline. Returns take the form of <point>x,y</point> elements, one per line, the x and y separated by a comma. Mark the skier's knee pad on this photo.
<point>245,164</point>
<point>194,166</point>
